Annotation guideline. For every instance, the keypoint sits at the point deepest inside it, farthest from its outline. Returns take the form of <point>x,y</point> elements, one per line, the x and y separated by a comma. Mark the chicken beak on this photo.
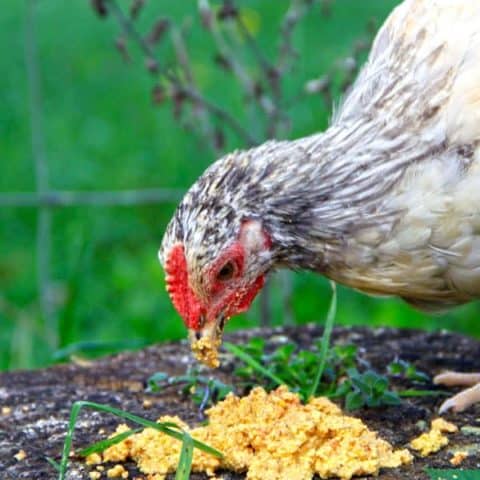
<point>211,331</point>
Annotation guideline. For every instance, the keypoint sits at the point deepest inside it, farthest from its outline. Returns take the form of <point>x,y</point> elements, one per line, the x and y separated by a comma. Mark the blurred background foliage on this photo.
<point>103,132</point>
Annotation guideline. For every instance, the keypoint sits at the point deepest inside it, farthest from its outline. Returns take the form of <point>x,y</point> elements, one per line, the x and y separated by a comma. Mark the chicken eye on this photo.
<point>226,272</point>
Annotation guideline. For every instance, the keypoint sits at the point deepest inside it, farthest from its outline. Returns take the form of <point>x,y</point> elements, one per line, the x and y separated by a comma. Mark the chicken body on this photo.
<point>387,200</point>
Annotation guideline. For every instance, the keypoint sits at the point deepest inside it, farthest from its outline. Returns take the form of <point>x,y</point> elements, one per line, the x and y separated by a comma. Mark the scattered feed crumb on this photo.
<point>206,351</point>
<point>458,458</point>
<point>6,410</point>
<point>94,475</point>
<point>444,426</point>
<point>147,403</point>
<point>93,459</point>
<point>20,455</point>
<point>269,436</point>
<point>100,468</point>
<point>433,440</point>
<point>117,471</point>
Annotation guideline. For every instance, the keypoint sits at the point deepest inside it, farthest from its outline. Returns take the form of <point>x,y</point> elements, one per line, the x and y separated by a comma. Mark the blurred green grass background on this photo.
<point>103,133</point>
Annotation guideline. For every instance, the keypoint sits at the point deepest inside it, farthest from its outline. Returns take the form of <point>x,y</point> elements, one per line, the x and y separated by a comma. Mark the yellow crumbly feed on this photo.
<point>434,440</point>
<point>206,351</point>
<point>20,455</point>
<point>117,472</point>
<point>458,458</point>
<point>270,437</point>
<point>93,459</point>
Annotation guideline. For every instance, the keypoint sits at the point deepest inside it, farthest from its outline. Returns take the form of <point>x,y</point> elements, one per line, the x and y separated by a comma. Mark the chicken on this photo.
<point>386,200</point>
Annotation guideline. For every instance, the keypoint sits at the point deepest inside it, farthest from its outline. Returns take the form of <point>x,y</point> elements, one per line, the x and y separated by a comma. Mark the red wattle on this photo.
<point>183,297</point>
<point>248,298</point>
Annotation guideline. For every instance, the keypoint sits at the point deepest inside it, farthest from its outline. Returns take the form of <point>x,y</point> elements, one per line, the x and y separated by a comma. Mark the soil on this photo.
<point>40,400</point>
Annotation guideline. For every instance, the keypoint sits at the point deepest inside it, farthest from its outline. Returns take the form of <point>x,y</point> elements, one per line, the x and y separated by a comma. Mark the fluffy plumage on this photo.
<point>387,200</point>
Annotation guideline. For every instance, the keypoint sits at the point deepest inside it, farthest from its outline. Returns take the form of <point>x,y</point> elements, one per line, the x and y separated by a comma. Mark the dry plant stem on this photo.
<point>130,31</point>
<point>198,109</point>
<point>295,13</point>
<point>268,69</point>
<point>275,118</point>
<point>175,82</point>
<point>264,63</point>
<point>242,75</point>
<point>44,219</point>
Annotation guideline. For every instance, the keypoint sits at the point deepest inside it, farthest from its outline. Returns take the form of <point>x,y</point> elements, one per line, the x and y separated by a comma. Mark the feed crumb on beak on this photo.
<point>433,440</point>
<point>206,351</point>
<point>267,435</point>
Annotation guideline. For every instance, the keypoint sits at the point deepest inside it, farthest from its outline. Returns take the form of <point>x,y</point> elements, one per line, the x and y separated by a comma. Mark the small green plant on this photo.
<point>297,368</point>
<point>368,389</point>
<point>203,390</point>
<point>403,369</point>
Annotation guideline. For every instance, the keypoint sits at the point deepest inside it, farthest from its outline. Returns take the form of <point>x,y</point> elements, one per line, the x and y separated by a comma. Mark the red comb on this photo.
<point>183,298</point>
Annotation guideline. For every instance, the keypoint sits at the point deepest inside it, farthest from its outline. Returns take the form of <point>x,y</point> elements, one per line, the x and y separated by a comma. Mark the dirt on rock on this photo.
<point>35,405</point>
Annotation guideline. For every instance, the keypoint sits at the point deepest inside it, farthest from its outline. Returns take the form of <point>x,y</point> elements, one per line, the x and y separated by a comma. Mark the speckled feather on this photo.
<point>387,200</point>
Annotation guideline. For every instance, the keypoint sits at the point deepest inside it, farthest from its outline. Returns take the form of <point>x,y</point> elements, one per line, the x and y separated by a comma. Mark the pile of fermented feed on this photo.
<point>269,436</point>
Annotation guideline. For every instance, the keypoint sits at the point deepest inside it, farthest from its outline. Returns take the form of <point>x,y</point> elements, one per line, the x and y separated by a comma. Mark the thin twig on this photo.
<point>54,198</point>
<point>198,109</point>
<point>129,29</point>
<point>175,81</point>
<point>222,114</point>
<point>241,73</point>
<point>44,218</point>
<point>275,116</point>
<point>295,13</point>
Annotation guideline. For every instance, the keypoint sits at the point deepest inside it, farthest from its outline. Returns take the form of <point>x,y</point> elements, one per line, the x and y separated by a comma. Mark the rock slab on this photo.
<point>35,405</point>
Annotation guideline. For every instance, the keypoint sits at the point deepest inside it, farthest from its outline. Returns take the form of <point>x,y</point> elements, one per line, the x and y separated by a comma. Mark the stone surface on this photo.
<point>35,405</point>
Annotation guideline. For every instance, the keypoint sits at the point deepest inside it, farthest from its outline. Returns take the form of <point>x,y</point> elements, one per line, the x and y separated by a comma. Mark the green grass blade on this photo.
<point>412,392</point>
<point>108,442</point>
<point>249,360</point>
<point>186,457</point>
<point>167,428</point>
<point>67,445</point>
<point>325,342</point>
<point>53,463</point>
<point>453,474</point>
